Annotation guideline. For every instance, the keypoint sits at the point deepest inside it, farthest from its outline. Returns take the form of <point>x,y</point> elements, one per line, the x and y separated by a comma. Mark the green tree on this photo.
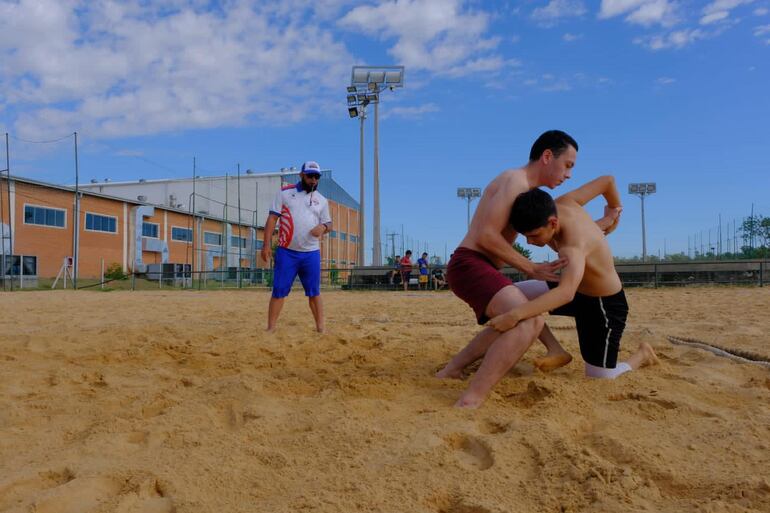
<point>521,249</point>
<point>115,272</point>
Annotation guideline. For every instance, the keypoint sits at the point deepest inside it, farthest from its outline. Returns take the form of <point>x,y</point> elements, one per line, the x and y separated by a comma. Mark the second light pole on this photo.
<point>469,193</point>
<point>642,190</point>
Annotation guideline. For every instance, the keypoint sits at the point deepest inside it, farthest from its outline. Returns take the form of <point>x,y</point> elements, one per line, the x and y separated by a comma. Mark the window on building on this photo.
<point>181,234</point>
<point>333,234</point>
<point>44,216</point>
<point>236,241</point>
<point>260,244</point>
<point>343,236</point>
<point>150,230</point>
<point>212,238</point>
<point>100,223</point>
<point>29,265</point>
<point>353,238</point>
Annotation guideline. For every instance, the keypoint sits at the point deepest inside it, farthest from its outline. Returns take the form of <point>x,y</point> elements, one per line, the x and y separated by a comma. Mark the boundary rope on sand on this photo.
<point>734,354</point>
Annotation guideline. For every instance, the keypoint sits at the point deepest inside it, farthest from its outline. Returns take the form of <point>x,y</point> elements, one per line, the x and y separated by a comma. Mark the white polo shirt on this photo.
<point>299,213</point>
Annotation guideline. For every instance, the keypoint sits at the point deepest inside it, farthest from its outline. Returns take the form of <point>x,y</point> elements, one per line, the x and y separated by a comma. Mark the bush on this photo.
<point>115,272</point>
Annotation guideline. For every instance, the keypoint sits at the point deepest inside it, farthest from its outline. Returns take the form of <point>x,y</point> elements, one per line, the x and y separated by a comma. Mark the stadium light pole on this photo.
<point>357,109</point>
<point>642,190</point>
<point>469,193</point>
<point>370,81</point>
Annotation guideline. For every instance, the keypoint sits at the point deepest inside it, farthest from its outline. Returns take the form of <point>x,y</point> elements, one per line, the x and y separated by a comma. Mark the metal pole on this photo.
<point>644,234</point>
<point>468,221</point>
<point>225,250</point>
<point>76,222</point>
<point>10,214</point>
<point>240,239</point>
<point>377,256</point>
<point>195,226</point>
<point>2,230</point>
<point>361,193</point>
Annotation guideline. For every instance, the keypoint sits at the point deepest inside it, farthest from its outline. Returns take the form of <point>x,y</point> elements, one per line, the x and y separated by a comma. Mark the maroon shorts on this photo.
<point>474,279</point>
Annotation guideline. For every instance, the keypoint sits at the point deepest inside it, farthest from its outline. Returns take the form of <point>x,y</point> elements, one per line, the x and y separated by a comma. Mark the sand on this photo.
<point>177,401</point>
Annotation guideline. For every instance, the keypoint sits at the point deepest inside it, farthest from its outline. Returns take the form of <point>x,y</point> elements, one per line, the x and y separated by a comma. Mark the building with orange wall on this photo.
<point>38,226</point>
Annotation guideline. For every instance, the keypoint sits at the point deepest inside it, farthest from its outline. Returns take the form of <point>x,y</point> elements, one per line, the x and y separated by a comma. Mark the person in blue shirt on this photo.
<point>422,263</point>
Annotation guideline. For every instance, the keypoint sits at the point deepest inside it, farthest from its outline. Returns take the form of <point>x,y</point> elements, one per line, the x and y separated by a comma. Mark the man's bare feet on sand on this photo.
<point>552,361</point>
<point>449,373</point>
<point>649,356</point>
<point>469,401</point>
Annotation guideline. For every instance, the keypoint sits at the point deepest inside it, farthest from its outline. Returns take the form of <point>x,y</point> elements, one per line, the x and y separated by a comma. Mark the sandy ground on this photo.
<point>177,401</point>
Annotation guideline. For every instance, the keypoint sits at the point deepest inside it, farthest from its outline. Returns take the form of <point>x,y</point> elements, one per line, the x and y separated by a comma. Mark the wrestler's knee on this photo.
<point>533,326</point>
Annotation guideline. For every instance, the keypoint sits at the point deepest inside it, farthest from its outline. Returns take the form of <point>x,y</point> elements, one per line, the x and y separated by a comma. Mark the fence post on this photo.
<point>655,272</point>
<point>761,273</point>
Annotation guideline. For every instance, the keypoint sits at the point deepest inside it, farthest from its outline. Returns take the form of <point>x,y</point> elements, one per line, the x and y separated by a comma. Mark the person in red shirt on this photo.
<point>406,268</point>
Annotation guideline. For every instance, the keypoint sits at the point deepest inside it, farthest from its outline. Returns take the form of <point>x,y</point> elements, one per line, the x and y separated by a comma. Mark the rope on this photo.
<point>734,354</point>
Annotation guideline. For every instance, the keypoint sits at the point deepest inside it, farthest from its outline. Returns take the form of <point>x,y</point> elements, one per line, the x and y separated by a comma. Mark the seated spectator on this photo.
<point>396,270</point>
<point>439,280</point>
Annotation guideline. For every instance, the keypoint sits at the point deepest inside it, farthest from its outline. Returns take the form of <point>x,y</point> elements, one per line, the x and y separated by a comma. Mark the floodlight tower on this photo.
<point>469,193</point>
<point>368,82</point>
<point>642,190</point>
<point>357,108</point>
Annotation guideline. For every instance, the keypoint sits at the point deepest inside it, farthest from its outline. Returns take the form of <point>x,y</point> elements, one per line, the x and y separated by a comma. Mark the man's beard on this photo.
<point>308,188</point>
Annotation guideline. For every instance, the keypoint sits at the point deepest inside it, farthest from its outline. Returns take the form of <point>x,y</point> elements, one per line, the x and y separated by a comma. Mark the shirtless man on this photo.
<point>473,271</point>
<point>589,289</point>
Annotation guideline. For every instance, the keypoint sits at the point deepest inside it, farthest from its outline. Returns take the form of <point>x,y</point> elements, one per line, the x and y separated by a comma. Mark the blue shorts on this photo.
<point>290,263</point>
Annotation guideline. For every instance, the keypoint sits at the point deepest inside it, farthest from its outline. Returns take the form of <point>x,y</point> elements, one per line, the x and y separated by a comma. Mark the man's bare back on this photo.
<point>578,230</point>
<point>503,189</point>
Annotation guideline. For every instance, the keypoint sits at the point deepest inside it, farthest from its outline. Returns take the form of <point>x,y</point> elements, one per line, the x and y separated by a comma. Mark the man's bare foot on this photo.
<point>449,373</point>
<point>469,401</point>
<point>552,361</point>
<point>320,329</point>
<point>270,330</point>
<point>648,355</point>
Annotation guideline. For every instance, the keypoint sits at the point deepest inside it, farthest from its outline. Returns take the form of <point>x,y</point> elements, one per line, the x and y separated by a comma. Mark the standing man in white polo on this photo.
<point>304,219</point>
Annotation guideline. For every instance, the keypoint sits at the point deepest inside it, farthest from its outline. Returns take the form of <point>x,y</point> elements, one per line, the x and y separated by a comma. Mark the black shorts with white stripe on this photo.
<point>600,322</point>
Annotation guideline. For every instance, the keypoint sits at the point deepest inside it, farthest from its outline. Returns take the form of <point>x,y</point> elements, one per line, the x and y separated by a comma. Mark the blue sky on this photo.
<point>670,91</point>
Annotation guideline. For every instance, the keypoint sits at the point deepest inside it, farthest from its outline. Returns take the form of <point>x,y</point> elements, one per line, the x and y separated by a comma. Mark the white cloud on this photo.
<point>714,17</point>
<point>641,12</point>
<point>115,68</point>
<point>719,10</point>
<point>761,11</point>
<point>676,39</point>
<point>665,81</point>
<point>411,112</point>
<point>557,10</point>
<point>571,37</point>
<point>439,36</point>
<point>762,31</point>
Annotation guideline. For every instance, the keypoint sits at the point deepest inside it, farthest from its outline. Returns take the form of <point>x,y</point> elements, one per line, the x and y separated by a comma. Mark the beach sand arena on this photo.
<point>178,401</point>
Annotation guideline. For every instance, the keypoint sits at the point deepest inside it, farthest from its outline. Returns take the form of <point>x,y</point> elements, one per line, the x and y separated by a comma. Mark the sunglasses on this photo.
<point>313,176</point>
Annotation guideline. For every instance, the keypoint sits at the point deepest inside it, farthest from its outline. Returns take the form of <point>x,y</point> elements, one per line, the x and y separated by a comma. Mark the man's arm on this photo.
<point>496,221</point>
<point>571,277</point>
<point>604,186</point>
<point>325,225</point>
<point>267,238</point>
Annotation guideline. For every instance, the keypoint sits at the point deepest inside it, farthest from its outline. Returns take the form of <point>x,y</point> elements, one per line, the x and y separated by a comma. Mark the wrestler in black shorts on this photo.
<point>600,322</point>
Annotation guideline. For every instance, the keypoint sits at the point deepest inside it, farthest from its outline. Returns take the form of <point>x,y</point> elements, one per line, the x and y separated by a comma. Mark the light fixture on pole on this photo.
<point>357,109</point>
<point>368,82</point>
<point>642,190</point>
<point>469,193</point>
